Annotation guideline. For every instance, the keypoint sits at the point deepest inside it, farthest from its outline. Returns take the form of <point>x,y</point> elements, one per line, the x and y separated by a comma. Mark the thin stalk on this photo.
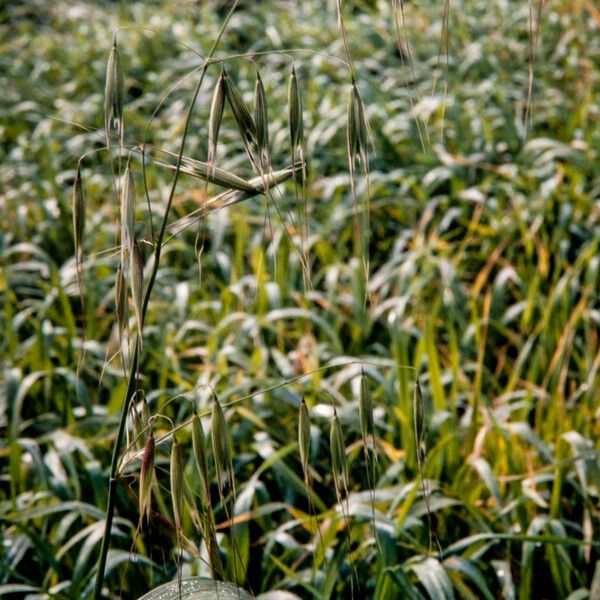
<point>110,508</point>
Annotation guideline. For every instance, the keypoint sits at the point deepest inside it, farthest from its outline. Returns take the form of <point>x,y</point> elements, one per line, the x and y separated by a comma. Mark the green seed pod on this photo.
<point>304,437</point>
<point>241,114</point>
<point>339,465</point>
<point>78,216</point>
<point>146,477</point>
<point>144,419</point>
<point>212,174</point>
<point>128,202</point>
<point>214,120</point>
<point>113,94</point>
<point>295,112</point>
<point>261,119</point>
<point>176,476</point>
<point>356,131</point>
<point>137,285</point>
<point>214,556</point>
<point>419,414</point>
<point>365,410</point>
<point>121,299</point>
<point>220,442</point>
<point>199,443</point>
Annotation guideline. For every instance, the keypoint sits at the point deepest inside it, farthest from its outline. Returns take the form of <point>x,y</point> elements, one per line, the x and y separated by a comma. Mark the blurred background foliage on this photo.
<point>484,280</point>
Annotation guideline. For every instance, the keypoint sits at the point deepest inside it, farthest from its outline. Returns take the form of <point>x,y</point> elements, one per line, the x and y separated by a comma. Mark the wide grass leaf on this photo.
<point>433,577</point>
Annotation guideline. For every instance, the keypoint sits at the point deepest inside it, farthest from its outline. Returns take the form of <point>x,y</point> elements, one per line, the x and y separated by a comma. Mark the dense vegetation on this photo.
<point>482,247</point>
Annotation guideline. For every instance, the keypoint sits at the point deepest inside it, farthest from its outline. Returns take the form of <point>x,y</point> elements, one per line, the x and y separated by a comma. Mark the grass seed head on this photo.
<point>176,476</point>
<point>113,94</point>
<point>128,202</point>
<point>339,465</point>
<point>295,111</point>
<point>199,443</point>
<point>137,285</point>
<point>78,215</point>
<point>419,414</point>
<point>352,138</point>
<point>261,120</point>
<point>220,442</point>
<point>212,545</point>
<point>145,419</point>
<point>121,298</point>
<point>208,172</point>
<point>214,119</point>
<point>365,410</point>
<point>146,477</point>
<point>357,131</point>
<point>240,111</point>
<point>304,436</point>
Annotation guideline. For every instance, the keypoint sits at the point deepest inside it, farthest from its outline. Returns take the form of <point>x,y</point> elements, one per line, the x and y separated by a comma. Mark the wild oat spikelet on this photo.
<point>137,286</point>
<point>356,131</point>
<point>365,411</point>
<point>146,477</point>
<point>419,415</point>
<point>221,444</point>
<point>214,121</point>
<point>199,443</point>
<point>128,202</point>
<point>176,477</point>
<point>261,120</point>
<point>113,94</point>
<point>304,437</point>
<point>295,112</point>
<point>339,463</point>
<point>78,216</point>
<point>241,114</point>
<point>121,300</point>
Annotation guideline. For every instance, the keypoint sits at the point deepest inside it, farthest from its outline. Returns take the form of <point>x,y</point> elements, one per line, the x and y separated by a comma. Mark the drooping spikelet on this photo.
<point>146,477</point>
<point>304,437</point>
<point>113,94</point>
<point>176,477</point>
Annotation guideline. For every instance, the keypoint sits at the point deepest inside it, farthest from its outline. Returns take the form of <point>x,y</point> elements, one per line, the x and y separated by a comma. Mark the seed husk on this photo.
<point>220,443</point>
<point>357,129</point>
<point>339,465</point>
<point>145,418</point>
<point>137,286</point>
<point>419,414</point>
<point>113,94</point>
<point>128,203</point>
<point>214,556</point>
<point>121,299</point>
<point>261,120</point>
<point>176,476</point>
<point>78,215</point>
<point>146,477</point>
<point>210,173</point>
<point>241,114</point>
<point>295,112</point>
<point>304,436</point>
<point>199,443</point>
<point>365,410</point>
<point>214,121</point>
<point>190,507</point>
<point>258,185</point>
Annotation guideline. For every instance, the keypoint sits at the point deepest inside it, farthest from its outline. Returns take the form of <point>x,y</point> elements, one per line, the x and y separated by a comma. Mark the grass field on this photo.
<point>436,307</point>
